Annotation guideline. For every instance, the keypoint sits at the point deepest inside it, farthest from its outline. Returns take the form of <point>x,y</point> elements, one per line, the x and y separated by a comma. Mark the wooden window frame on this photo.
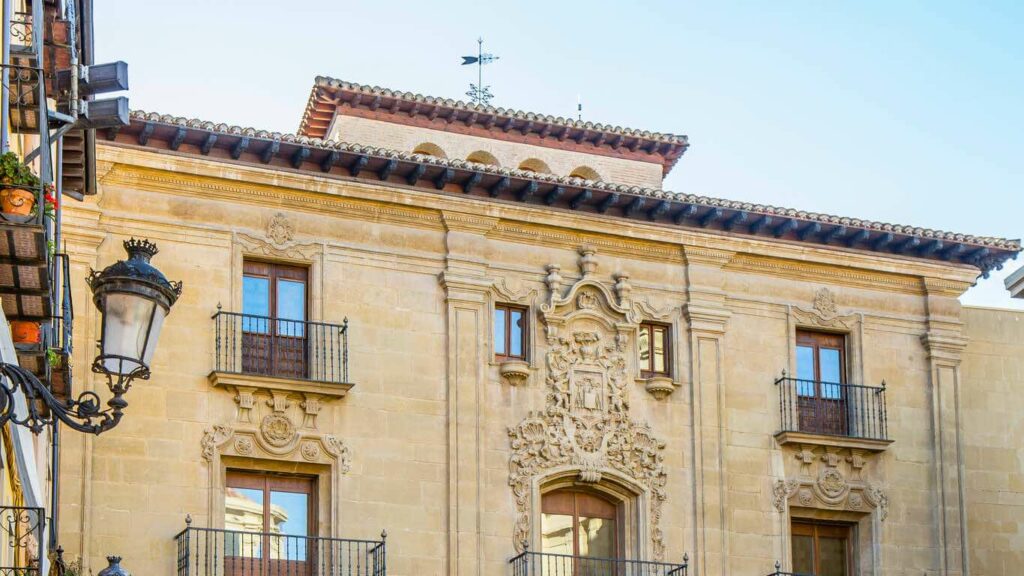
<point>830,340</point>
<point>813,529</point>
<point>648,371</point>
<point>554,503</point>
<point>274,271</point>
<point>507,309</point>
<point>269,481</point>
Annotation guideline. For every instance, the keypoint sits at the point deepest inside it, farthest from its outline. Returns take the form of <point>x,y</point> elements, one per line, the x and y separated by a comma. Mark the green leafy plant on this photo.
<point>15,173</point>
<point>53,358</point>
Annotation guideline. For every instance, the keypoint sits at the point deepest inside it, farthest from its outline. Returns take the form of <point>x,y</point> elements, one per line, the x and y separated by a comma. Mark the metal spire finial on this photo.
<point>478,93</point>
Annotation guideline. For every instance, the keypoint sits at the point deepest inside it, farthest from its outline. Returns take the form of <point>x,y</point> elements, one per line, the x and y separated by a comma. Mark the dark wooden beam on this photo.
<point>563,134</point>
<point>354,102</point>
<point>617,142</point>
<point>375,103</point>
<point>760,223</point>
<point>527,191</point>
<point>179,137</point>
<point>270,151</point>
<point>491,121</point>
<point>580,199</point>
<point>882,241</point>
<point>857,237</point>
<point>634,206</point>
<point>787,225</point>
<point>812,229</point>
<point>471,118</point>
<point>554,195</point>
<point>951,252</point>
<point>433,113</point>
<point>525,128</point>
<point>498,187</point>
<point>737,219</point>
<point>385,171</point>
<point>659,210</point>
<point>396,105</point>
<point>414,110</point>
<point>508,124</point>
<point>146,132</point>
<point>415,174</point>
<point>908,245</point>
<point>472,182</point>
<point>835,233</point>
<point>443,178</point>
<point>111,133</point>
<point>975,256</point>
<point>241,146</point>
<point>609,201</point>
<point>208,143</point>
<point>545,131</point>
<point>327,162</point>
<point>358,164</point>
<point>652,147</point>
<point>688,211</point>
<point>930,248</point>
<point>299,156</point>
<point>452,116</point>
<point>600,139</point>
<point>709,217</point>
<point>581,136</point>
<point>634,144</point>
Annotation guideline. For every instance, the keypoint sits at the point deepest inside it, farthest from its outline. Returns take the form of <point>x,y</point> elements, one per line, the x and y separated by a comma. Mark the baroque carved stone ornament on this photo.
<point>585,424</point>
<point>277,429</point>
<point>830,479</point>
<point>280,230</point>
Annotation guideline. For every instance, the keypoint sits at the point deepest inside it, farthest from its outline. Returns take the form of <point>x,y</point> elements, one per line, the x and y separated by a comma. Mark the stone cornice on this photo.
<point>409,206</point>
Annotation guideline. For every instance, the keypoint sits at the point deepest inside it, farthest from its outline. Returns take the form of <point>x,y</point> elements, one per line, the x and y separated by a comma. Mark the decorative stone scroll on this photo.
<point>824,313</point>
<point>831,478</point>
<point>585,424</point>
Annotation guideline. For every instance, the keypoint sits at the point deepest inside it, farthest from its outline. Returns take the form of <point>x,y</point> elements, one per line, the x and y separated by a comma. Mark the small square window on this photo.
<point>510,332</point>
<point>654,343</point>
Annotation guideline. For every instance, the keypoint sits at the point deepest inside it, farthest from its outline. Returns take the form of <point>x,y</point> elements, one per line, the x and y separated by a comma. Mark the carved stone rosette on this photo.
<point>585,424</point>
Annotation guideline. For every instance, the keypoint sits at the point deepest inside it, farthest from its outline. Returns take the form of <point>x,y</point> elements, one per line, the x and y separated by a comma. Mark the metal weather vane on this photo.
<point>478,93</point>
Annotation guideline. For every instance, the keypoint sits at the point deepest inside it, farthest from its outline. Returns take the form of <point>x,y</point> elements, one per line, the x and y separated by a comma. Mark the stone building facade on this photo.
<point>530,340</point>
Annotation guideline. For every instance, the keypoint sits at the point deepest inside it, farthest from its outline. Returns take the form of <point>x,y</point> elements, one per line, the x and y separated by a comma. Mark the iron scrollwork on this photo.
<point>84,414</point>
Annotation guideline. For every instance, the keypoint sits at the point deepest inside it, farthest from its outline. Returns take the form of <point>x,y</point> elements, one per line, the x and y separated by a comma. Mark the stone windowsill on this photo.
<point>325,389</point>
<point>868,444</point>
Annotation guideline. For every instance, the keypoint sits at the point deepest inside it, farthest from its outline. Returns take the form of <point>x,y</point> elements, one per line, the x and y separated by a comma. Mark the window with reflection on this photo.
<point>268,518</point>
<point>510,332</point>
<point>821,374</point>
<point>653,343</point>
<point>274,304</point>
<point>578,523</point>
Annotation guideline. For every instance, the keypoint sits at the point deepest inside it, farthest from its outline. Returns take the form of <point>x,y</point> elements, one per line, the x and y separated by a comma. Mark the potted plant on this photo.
<point>60,366</point>
<point>18,181</point>
<point>25,332</point>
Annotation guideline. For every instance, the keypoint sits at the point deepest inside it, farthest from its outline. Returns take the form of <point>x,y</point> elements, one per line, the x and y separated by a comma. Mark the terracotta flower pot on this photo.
<point>17,201</point>
<point>25,332</point>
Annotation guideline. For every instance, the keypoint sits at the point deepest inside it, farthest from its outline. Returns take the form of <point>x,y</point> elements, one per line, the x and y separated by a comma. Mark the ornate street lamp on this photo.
<point>133,298</point>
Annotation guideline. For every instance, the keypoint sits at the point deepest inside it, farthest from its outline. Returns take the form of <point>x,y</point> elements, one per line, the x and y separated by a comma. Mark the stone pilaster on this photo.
<point>465,284</point>
<point>706,317</point>
<point>945,344</point>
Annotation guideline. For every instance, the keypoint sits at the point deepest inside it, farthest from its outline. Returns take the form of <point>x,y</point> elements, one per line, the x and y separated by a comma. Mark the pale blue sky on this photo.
<point>906,112</point>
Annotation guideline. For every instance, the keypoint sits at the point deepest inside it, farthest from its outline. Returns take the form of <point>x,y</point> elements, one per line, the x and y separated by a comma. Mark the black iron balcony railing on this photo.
<point>264,346</point>
<point>214,552</point>
<point>21,538</point>
<point>832,409</point>
<point>540,564</point>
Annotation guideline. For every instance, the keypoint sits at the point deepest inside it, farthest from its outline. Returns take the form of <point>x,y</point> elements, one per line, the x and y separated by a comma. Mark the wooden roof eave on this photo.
<point>466,179</point>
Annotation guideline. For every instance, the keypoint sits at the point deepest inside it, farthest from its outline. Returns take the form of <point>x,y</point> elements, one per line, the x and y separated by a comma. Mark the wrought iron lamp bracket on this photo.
<point>83,414</point>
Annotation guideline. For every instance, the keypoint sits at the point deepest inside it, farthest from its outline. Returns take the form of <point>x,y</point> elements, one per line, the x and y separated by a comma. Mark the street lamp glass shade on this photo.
<point>133,298</point>
<point>131,328</point>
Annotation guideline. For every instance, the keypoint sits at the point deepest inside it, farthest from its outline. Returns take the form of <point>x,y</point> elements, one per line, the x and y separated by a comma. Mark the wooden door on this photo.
<point>822,398</point>
<point>822,549</point>
<point>269,521</point>
<point>274,339</point>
